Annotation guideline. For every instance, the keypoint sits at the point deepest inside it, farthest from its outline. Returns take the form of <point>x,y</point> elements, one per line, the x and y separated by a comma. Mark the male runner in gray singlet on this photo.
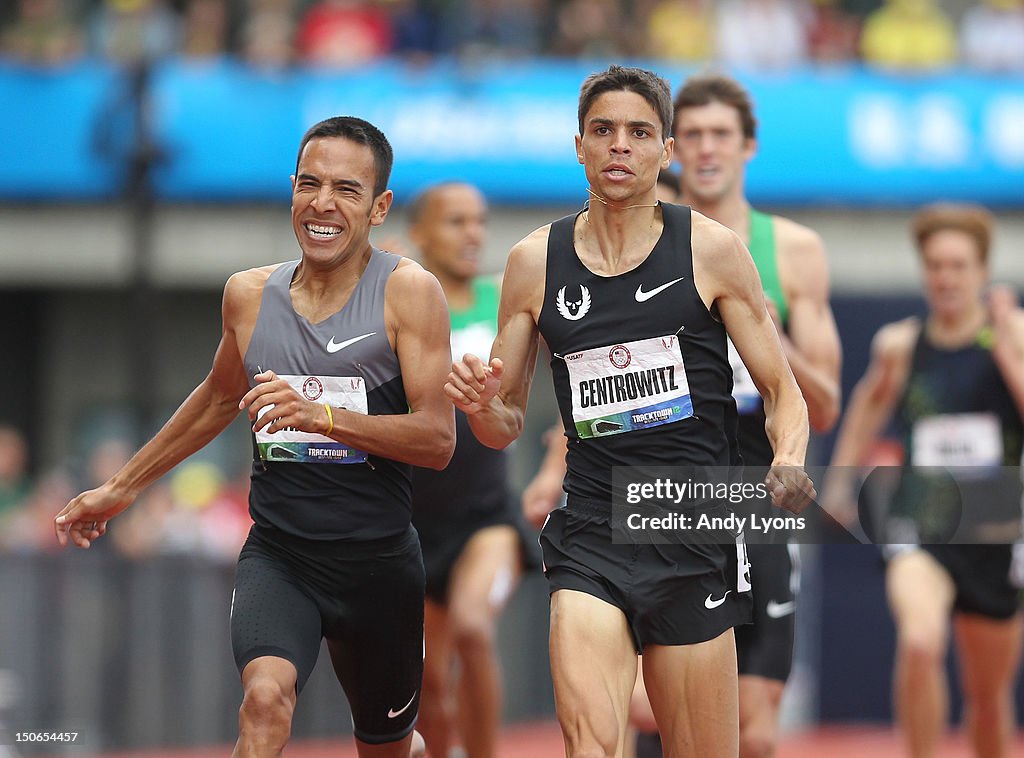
<point>339,358</point>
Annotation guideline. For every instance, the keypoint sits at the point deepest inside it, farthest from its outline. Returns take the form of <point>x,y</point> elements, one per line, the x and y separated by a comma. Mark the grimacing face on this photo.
<point>622,148</point>
<point>712,151</point>
<point>450,231</point>
<point>333,205</point>
<point>954,275</point>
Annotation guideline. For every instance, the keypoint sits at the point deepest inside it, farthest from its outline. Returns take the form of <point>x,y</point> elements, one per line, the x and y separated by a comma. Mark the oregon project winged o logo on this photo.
<point>573,310</point>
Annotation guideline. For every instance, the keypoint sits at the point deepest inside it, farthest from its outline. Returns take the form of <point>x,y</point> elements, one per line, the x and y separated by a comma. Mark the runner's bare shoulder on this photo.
<point>894,342</point>
<point>244,291</point>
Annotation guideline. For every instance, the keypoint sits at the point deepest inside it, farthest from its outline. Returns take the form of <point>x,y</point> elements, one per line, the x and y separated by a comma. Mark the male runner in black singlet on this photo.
<point>339,358</point>
<point>715,134</point>
<point>472,548</point>
<point>590,284</point>
<point>955,383</point>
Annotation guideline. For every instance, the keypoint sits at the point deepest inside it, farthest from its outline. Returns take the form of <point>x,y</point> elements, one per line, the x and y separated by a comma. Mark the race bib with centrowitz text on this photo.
<point>292,446</point>
<point>634,385</point>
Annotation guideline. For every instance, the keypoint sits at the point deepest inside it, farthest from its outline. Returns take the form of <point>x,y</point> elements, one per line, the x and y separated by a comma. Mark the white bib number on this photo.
<point>635,385</point>
<point>958,440</point>
<point>293,446</point>
<point>475,338</point>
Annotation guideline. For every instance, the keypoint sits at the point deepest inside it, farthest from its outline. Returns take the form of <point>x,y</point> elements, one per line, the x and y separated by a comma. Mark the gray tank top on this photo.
<point>306,484</point>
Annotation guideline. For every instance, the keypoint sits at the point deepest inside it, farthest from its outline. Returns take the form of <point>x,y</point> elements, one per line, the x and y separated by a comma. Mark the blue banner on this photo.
<point>61,140</point>
<point>226,132</point>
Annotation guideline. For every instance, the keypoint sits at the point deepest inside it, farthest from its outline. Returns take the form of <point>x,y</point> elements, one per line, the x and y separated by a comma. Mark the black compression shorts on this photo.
<point>364,598</point>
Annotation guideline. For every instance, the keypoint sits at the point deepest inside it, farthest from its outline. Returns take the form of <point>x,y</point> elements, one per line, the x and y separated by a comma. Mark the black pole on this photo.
<point>143,304</point>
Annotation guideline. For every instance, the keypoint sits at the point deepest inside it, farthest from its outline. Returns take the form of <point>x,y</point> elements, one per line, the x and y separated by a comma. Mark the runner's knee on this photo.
<point>757,742</point>
<point>921,646</point>
<point>435,678</point>
<point>586,739</point>
<point>266,712</point>
<point>472,632</point>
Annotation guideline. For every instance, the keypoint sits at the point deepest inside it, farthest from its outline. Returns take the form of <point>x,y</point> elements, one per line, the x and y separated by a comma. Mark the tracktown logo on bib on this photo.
<point>573,310</point>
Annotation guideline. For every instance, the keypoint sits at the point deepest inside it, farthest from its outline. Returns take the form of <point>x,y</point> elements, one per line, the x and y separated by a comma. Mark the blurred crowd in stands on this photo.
<point>909,35</point>
<point>196,509</point>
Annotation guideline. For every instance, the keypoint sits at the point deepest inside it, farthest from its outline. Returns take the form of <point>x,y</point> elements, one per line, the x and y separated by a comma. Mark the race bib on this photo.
<point>475,338</point>
<point>635,385</point>
<point>744,391</point>
<point>958,440</point>
<point>293,446</point>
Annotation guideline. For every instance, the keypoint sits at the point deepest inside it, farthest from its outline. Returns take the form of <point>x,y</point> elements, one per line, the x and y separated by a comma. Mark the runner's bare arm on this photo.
<point>874,397</point>
<point>544,491</point>
<point>726,277</point>
<point>202,416</point>
<point>494,395</point>
<point>1008,347</point>
<point>871,405</point>
<point>812,344</point>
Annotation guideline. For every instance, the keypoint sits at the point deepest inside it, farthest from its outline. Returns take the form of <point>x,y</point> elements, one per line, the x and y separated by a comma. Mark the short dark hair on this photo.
<point>972,220</point>
<point>361,132</point>
<point>421,200</point>
<point>705,89</point>
<point>647,84</point>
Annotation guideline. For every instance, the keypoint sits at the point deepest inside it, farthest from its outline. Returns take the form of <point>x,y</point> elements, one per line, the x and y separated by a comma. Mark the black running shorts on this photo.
<point>677,594</point>
<point>364,598</point>
<point>444,539</point>
<point>982,575</point>
<point>765,648</point>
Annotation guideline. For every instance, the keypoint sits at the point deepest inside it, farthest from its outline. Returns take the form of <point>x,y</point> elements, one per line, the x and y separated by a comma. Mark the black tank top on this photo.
<point>957,414</point>
<point>305,484</point>
<point>640,366</point>
<point>474,485</point>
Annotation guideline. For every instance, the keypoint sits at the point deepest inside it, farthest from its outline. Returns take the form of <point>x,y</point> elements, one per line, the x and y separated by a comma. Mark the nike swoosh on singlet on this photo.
<point>333,347</point>
<point>393,714</point>
<point>778,610</point>
<point>712,604</point>
<point>642,296</point>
